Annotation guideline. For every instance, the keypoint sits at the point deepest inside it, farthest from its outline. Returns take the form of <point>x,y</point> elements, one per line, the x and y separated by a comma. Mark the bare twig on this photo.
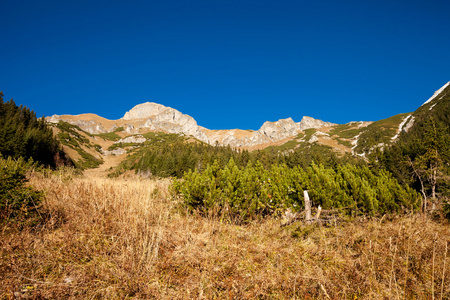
<point>432,274</point>
<point>324,290</point>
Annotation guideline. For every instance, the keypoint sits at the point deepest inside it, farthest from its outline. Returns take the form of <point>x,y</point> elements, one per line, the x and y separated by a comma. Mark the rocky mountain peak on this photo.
<point>308,122</point>
<point>145,110</point>
<point>280,129</point>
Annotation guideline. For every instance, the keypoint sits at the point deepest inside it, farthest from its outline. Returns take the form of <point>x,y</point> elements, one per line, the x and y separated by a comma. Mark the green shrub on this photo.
<point>110,136</point>
<point>253,191</point>
<point>16,199</point>
<point>446,209</point>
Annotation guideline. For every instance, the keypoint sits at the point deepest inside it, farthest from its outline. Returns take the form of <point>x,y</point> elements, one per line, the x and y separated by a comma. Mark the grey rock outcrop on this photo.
<point>409,124</point>
<point>318,134</point>
<point>284,128</point>
<point>139,139</point>
<point>308,122</point>
<point>115,152</point>
<point>268,133</point>
<point>89,126</point>
<point>280,129</point>
<point>159,117</point>
<point>144,110</point>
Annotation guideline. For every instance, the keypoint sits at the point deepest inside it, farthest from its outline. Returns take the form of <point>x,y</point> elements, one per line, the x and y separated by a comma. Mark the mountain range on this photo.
<point>151,116</point>
<point>357,138</point>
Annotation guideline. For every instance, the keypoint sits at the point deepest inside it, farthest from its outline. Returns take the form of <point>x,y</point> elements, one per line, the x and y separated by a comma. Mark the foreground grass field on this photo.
<point>125,238</point>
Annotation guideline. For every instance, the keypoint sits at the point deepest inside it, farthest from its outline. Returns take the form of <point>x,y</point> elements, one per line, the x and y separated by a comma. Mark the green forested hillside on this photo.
<point>421,156</point>
<point>171,155</point>
<point>24,135</point>
<point>378,134</point>
<point>24,142</point>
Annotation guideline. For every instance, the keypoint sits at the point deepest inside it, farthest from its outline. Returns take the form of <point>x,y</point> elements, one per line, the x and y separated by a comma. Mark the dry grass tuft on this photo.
<point>106,238</point>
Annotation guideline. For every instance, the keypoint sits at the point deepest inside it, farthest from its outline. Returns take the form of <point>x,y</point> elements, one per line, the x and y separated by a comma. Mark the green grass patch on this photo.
<point>380,132</point>
<point>109,136</point>
<point>345,143</point>
<point>309,133</point>
<point>345,131</point>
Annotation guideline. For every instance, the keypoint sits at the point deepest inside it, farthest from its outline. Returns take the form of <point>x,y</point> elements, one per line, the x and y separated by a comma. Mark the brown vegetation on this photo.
<point>126,238</point>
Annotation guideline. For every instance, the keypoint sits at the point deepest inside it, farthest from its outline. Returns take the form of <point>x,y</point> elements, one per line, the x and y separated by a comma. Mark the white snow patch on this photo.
<point>433,105</point>
<point>355,144</point>
<point>400,127</point>
<point>361,155</point>
<point>437,93</point>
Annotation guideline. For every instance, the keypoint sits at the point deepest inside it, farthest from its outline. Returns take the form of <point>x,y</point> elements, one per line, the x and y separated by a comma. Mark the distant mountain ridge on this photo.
<point>355,137</point>
<point>151,116</point>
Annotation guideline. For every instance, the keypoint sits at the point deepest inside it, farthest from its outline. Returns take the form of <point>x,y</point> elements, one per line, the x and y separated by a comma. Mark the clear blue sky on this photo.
<point>228,64</point>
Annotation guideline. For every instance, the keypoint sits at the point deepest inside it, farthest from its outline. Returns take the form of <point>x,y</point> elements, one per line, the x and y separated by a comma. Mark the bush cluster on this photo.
<point>16,199</point>
<point>253,191</point>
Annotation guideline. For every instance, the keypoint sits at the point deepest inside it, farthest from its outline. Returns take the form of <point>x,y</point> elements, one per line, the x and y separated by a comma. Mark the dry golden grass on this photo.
<point>125,238</point>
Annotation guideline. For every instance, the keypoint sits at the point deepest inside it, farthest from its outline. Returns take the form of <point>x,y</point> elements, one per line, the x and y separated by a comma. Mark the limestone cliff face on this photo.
<point>308,122</point>
<point>144,110</point>
<point>159,117</point>
<point>91,126</point>
<point>280,129</point>
<point>143,117</point>
<point>151,116</point>
<point>269,132</point>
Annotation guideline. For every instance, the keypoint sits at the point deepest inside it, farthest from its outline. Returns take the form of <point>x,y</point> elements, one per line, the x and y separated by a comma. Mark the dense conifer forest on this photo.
<point>420,157</point>
<point>25,142</point>
<point>22,134</point>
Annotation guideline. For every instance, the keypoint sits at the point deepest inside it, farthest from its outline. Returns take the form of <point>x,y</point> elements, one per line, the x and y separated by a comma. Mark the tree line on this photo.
<point>420,157</point>
<point>22,134</point>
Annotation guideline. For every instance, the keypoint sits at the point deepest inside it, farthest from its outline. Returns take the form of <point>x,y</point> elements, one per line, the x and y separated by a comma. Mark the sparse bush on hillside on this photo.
<point>110,136</point>
<point>378,134</point>
<point>72,136</point>
<point>345,131</point>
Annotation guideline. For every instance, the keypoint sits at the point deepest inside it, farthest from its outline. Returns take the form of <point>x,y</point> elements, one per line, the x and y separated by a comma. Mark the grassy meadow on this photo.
<point>102,238</point>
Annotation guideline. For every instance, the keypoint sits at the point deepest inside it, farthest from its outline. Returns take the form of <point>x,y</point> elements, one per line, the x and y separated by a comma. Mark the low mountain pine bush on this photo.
<point>254,191</point>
